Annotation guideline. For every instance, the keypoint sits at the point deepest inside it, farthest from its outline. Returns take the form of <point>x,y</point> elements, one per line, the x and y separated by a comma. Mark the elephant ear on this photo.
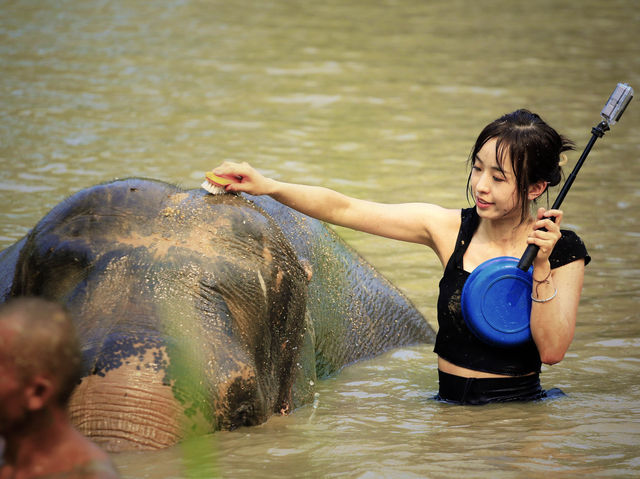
<point>8,261</point>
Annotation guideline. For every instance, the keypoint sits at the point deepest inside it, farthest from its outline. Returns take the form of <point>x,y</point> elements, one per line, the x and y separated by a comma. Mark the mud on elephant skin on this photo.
<point>199,312</point>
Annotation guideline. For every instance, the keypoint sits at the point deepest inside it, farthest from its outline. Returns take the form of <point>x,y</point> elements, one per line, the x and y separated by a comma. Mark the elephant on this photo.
<point>200,312</point>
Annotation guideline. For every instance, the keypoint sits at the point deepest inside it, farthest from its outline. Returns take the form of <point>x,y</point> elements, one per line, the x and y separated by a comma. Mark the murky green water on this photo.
<point>382,100</point>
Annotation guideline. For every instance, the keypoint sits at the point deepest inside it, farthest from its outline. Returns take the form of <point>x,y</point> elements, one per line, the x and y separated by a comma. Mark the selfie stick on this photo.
<point>611,113</point>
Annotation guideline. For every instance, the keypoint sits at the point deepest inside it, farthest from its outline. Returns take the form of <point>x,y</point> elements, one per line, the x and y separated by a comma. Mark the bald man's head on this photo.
<point>37,336</point>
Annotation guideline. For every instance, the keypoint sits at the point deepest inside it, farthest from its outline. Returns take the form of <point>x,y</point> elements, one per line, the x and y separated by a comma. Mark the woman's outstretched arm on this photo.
<point>413,222</point>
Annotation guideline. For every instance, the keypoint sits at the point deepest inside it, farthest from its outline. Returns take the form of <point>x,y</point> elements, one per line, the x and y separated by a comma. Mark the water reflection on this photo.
<point>381,100</point>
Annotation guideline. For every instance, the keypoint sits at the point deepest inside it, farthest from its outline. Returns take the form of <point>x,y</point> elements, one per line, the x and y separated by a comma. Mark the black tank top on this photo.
<point>455,342</point>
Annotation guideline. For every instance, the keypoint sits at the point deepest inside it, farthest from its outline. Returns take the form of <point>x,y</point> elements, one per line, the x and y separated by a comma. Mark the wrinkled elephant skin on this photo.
<point>199,312</point>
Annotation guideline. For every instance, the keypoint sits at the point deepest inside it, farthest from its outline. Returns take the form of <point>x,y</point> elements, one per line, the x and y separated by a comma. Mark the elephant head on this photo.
<point>190,309</point>
<point>199,312</point>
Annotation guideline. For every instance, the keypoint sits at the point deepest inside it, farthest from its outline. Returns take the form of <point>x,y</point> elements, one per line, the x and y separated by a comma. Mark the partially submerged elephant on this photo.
<point>199,312</point>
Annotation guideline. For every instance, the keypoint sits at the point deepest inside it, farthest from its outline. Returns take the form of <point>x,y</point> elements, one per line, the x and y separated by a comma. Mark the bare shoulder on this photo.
<point>88,461</point>
<point>446,217</point>
<point>6,471</point>
<point>98,464</point>
<point>435,218</point>
<point>442,225</point>
<point>94,469</point>
<point>437,223</point>
<point>412,222</point>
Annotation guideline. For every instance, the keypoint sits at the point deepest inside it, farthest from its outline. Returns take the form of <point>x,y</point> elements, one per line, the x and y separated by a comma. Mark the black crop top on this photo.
<point>455,342</point>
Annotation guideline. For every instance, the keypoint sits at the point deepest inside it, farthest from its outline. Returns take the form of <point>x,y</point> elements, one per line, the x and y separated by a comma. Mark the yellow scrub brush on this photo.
<point>215,184</point>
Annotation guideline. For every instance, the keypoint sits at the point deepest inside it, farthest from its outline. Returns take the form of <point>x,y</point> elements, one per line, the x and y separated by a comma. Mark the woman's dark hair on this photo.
<point>533,146</point>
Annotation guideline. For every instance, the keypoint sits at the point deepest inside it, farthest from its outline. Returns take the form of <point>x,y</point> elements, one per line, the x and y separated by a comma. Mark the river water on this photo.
<point>381,100</point>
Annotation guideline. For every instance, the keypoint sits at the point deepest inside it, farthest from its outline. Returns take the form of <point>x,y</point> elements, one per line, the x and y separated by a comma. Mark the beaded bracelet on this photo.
<point>545,300</point>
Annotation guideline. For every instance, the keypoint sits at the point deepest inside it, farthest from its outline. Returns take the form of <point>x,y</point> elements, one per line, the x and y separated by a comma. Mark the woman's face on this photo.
<point>494,186</point>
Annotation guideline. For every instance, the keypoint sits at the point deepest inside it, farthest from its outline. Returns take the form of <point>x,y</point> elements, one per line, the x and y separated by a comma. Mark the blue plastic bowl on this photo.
<point>496,302</point>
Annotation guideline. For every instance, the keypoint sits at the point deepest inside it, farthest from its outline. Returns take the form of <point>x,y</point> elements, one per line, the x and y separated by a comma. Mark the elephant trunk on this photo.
<point>115,413</point>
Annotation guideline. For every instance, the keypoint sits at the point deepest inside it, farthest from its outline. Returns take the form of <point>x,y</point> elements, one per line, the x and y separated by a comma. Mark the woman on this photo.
<point>514,160</point>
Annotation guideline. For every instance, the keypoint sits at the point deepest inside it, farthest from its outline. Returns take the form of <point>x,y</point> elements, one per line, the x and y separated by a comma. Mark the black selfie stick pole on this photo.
<point>611,113</point>
<point>596,132</point>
